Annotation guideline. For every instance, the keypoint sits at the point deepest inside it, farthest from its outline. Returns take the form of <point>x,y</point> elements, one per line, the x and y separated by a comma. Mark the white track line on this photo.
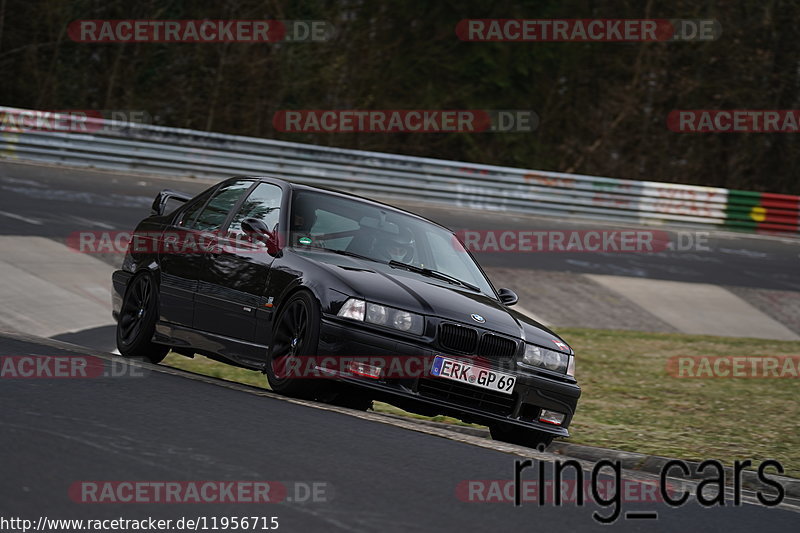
<point>23,219</point>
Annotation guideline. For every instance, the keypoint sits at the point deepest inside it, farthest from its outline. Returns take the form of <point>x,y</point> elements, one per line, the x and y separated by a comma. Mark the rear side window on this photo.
<point>189,214</point>
<point>216,211</point>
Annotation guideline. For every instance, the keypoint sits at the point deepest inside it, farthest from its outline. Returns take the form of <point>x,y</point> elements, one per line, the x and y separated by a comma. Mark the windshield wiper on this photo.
<point>351,254</point>
<point>434,274</point>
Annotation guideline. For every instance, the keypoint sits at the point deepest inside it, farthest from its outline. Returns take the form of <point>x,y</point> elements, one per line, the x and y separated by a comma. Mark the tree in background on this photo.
<point>602,106</point>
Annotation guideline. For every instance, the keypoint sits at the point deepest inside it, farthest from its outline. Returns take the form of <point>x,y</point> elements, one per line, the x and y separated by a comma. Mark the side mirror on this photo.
<point>508,297</point>
<point>165,197</point>
<point>257,230</point>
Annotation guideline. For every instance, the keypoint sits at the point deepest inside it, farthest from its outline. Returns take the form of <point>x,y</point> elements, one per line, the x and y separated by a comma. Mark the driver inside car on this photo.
<point>395,247</point>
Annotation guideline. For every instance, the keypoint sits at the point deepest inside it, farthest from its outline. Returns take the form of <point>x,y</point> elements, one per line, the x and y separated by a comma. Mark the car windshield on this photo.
<point>320,220</point>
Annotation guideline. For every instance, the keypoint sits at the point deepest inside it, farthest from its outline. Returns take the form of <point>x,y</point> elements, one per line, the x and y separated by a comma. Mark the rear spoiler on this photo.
<point>162,198</point>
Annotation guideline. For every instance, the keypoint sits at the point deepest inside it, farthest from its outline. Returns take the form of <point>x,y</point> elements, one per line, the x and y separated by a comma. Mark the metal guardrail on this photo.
<point>174,151</point>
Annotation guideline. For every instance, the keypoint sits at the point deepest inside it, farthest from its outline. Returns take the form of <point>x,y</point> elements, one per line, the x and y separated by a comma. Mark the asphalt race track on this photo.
<point>153,426</point>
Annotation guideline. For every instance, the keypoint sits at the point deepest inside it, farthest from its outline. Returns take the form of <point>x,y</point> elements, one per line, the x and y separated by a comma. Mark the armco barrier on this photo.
<point>174,151</point>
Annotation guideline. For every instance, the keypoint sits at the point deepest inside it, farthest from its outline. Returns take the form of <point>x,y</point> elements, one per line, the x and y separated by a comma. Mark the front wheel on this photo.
<point>137,321</point>
<point>295,337</point>
<point>520,435</point>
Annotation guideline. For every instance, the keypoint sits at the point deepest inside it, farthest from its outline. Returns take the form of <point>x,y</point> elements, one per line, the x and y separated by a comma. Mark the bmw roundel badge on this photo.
<point>478,318</point>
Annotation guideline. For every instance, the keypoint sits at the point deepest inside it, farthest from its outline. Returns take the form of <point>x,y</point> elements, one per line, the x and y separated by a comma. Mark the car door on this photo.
<point>233,278</point>
<point>184,246</point>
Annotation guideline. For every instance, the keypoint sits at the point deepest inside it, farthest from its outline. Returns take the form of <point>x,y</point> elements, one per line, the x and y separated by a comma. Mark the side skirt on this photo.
<point>217,347</point>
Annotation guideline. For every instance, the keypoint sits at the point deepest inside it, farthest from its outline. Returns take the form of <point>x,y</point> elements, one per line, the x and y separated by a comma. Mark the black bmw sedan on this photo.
<point>340,299</point>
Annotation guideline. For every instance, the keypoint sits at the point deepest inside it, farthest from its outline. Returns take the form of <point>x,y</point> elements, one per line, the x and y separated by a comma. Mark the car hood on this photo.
<point>400,288</point>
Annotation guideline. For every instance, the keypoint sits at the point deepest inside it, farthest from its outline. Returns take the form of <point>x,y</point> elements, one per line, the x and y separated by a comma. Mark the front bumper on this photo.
<point>432,395</point>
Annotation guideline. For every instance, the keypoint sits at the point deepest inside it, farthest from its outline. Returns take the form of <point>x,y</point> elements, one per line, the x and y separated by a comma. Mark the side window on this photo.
<point>189,214</point>
<point>264,203</point>
<point>216,211</point>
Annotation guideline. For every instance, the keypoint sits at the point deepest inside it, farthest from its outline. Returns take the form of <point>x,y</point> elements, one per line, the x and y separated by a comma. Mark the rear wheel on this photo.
<point>295,337</point>
<point>137,321</point>
<point>519,435</point>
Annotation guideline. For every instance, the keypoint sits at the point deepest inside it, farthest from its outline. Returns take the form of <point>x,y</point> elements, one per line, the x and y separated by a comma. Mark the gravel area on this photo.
<point>572,300</point>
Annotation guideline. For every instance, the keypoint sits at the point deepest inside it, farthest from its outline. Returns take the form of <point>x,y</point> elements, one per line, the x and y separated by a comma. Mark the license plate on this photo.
<point>472,375</point>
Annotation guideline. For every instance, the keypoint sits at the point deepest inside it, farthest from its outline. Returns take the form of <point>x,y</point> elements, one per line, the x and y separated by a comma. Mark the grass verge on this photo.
<point>630,402</point>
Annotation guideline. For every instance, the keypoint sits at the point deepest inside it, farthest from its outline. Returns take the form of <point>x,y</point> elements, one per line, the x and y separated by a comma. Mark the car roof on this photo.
<point>334,192</point>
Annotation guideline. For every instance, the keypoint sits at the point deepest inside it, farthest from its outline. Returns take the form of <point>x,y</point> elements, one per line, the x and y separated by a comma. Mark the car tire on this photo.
<point>519,435</point>
<point>295,334</point>
<point>137,321</point>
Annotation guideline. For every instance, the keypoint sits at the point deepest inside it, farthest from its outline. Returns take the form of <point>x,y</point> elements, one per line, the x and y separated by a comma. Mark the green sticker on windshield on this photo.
<point>304,240</point>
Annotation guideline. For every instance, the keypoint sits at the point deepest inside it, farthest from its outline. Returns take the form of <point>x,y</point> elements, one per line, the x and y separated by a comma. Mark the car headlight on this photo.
<point>549,359</point>
<point>382,315</point>
<point>377,314</point>
<point>353,308</point>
